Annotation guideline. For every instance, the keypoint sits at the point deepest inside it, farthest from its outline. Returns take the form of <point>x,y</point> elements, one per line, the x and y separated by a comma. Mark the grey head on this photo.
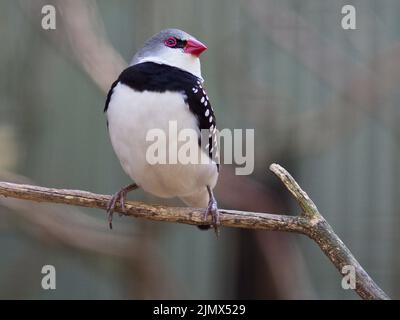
<point>172,47</point>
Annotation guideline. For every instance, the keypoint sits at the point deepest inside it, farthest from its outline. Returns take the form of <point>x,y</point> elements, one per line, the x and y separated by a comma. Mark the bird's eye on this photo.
<point>170,42</point>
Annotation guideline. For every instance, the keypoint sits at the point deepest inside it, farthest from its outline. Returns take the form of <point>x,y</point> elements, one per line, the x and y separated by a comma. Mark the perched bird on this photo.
<point>162,84</point>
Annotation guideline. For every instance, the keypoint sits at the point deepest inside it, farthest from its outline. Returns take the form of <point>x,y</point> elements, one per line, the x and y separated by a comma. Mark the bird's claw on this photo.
<point>212,209</point>
<point>117,197</point>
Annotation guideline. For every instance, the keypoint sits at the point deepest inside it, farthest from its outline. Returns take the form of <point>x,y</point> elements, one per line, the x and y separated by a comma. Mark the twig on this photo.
<point>310,222</point>
<point>322,233</point>
<point>192,216</point>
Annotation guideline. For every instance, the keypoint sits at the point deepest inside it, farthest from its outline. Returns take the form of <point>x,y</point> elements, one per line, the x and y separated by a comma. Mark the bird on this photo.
<point>163,83</point>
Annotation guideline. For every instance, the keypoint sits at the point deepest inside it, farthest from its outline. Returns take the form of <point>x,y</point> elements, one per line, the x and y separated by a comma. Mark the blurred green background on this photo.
<point>323,102</point>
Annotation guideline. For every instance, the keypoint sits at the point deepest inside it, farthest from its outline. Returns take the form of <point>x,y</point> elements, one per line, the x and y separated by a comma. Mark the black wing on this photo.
<point>200,105</point>
<point>109,94</point>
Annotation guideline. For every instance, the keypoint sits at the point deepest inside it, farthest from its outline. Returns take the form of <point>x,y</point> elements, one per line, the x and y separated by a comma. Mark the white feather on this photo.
<point>176,58</point>
<point>131,114</point>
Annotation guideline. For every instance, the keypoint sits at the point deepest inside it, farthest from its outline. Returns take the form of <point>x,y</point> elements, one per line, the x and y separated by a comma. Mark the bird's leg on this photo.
<point>118,196</point>
<point>212,209</point>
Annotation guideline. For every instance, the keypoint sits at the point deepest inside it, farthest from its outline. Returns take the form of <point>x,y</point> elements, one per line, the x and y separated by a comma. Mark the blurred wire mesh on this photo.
<point>322,100</point>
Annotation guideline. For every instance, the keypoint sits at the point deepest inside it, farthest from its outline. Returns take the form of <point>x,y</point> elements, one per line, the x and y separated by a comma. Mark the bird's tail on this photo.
<point>204,227</point>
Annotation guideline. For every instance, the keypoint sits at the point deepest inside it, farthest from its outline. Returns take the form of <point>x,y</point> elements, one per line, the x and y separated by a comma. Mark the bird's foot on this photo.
<point>212,209</point>
<point>118,197</point>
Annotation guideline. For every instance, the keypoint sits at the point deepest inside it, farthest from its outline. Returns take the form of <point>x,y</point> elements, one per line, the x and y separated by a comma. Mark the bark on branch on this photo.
<point>310,222</point>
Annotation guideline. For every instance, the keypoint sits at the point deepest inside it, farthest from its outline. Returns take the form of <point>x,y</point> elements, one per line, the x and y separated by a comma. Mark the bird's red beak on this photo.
<point>194,47</point>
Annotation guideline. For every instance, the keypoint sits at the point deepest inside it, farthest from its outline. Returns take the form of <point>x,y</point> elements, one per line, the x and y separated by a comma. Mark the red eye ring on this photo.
<point>170,42</point>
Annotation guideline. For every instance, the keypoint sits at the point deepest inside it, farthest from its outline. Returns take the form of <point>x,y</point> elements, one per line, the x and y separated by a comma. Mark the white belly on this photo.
<point>130,116</point>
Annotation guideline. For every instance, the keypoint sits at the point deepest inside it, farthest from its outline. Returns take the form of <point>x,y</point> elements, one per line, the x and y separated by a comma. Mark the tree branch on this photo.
<point>319,230</point>
<point>310,222</point>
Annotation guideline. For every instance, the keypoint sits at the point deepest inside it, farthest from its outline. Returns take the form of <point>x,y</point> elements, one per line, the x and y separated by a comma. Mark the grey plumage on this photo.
<point>154,46</point>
